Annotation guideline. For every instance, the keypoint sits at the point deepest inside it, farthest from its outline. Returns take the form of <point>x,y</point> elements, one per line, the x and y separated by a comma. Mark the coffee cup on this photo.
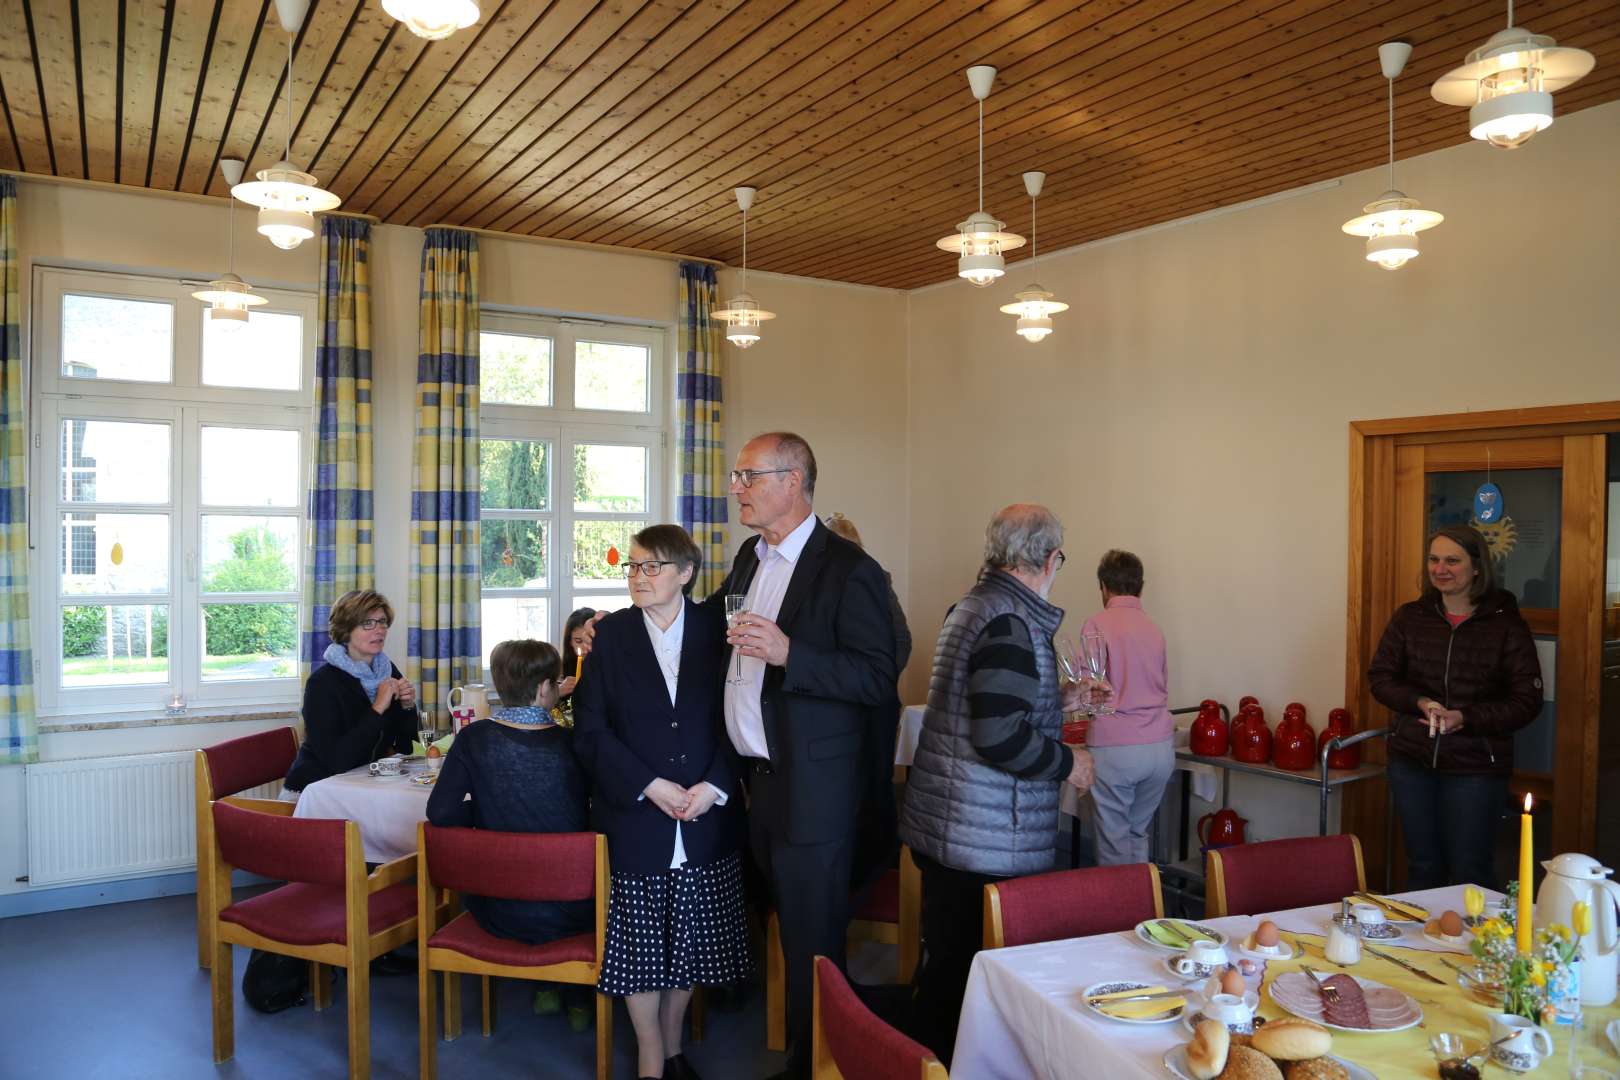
<point>1201,958</point>
<point>1517,1043</point>
<point>1369,916</point>
<point>1237,1013</point>
<point>388,766</point>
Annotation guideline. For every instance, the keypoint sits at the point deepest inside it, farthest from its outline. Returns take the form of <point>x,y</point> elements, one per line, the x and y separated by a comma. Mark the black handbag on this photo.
<point>273,982</point>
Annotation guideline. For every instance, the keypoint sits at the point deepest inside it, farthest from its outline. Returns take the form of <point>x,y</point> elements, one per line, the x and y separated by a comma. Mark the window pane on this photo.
<point>249,467</point>
<point>106,337</point>
<point>267,353</point>
<point>249,641</point>
<point>107,646</point>
<point>1526,535</point>
<point>513,553</point>
<point>115,462</point>
<point>610,479</point>
<point>514,475</point>
<point>115,553</point>
<point>602,601</point>
<point>514,617</point>
<point>610,376</point>
<point>249,554</point>
<point>514,369</point>
<point>592,539</point>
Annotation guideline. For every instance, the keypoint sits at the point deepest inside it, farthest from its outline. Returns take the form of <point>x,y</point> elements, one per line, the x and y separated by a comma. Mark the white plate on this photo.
<point>1294,992</point>
<point>1170,969</point>
<point>389,776</point>
<point>1120,986</point>
<point>1460,942</point>
<point>1147,939</point>
<point>1175,1060</point>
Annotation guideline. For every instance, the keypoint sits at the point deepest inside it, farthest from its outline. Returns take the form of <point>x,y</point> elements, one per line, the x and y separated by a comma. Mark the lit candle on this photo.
<point>1526,872</point>
<point>579,666</point>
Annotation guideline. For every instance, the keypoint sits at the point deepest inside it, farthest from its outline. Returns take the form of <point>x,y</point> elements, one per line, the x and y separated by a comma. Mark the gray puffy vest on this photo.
<point>960,810</point>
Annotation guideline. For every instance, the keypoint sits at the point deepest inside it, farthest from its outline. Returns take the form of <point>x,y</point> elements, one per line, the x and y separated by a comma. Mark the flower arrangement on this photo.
<point>563,713</point>
<point>1534,985</point>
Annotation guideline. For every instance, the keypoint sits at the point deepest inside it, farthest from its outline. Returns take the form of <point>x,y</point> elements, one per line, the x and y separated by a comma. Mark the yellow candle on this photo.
<point>1526,877</point>
<point>579,666</point>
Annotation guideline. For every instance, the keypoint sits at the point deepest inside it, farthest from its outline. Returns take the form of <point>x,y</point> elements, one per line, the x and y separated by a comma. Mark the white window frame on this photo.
<point>187,406</point>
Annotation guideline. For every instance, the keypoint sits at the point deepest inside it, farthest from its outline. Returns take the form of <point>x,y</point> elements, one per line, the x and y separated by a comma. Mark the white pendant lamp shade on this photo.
<point>433,19</point>
<point>229,297</point>
<point>286,228</point>
<point>1508,83</point>
<point>1033,305</point>
<point>981,240</point>
<point>1392,221</point>
<point>742,313</point>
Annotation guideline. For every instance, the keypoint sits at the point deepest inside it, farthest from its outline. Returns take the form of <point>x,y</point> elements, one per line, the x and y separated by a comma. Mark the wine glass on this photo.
<point>1069,661</point>
<point>426,732</point>
<point>736,604</point>
<point>1094,654</point>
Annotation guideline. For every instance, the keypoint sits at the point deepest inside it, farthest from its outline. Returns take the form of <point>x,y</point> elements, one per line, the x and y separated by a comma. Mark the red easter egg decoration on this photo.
<point>613,556</point>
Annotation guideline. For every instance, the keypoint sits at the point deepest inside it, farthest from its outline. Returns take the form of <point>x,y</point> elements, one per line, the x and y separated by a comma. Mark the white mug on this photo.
<point>1518,1044</point>
<point>388,766</point>
<point>1237,1013</point>
<point>1201,958</point>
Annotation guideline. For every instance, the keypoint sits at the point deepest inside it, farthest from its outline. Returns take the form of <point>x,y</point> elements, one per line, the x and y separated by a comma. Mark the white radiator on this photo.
<point>97,819</point>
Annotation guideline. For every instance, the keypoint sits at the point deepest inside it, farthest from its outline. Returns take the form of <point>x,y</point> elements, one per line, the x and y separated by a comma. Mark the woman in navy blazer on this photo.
<point>649,727</point>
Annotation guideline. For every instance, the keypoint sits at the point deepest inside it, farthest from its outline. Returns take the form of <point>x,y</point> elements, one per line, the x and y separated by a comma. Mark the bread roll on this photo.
<point>1247,1063</point>
<point>1322,1068</point>
<point>1206,1054</point>
<point>1293,1039</point>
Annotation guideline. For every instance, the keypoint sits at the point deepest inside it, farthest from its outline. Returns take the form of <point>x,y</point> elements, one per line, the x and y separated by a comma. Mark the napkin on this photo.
<point>443,745</point>
<point>1136,1010</point>
<point>1163,936</point>
<point>1190,930</point>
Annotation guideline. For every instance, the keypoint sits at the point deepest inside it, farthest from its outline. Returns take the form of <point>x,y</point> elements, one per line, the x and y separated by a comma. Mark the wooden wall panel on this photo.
<point>1580,642</point>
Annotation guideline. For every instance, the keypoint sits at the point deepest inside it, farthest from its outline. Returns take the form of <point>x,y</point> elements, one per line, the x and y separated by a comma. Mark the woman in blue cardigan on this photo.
<point>649,727</point>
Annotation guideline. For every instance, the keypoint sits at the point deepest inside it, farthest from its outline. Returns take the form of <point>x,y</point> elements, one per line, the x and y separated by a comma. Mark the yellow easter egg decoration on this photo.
<point>117,554</point>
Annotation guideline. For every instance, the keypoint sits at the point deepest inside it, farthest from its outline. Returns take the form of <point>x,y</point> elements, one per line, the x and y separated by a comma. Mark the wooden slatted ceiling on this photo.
<point>629,121</point>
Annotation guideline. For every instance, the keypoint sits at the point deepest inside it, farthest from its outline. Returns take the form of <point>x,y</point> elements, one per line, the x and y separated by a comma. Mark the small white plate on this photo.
<point>1148,939</point>
<point>1170,969</point>
<point>1120,986</point>
<point>1460,942</point>
<point>1287,950</point>
<point>1384,931</point>
<point>389,776</point>
<point>1175,1060</point>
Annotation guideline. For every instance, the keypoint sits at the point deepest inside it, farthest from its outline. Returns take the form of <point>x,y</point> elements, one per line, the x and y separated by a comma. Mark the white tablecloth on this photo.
<point>386,810</point>
<point>1022,1015</point>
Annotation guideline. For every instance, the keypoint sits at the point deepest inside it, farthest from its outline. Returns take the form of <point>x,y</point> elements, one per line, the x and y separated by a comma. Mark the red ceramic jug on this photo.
<point>1224,828</point>
<point>1340,723</point>
<point>1251,739</point>
<point>1246,700</point>
<point>1295,744</point>
<point>1210,735</point>
<point>1294,709</point>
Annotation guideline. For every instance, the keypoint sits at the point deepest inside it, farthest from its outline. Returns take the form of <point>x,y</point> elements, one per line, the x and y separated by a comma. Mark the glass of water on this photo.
<point>1094,654</point>
<point>1069,660</point>
<point>736,604</point>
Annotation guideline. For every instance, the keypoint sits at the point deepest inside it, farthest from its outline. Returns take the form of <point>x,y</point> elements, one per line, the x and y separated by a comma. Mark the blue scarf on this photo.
<point>526,715</point>
<point>370,677</point>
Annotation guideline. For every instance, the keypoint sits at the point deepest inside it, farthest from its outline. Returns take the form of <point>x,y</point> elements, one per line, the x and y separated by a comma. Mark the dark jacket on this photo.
<point>627,735</point>
<point>1486,668</point>
<point>342,731</point>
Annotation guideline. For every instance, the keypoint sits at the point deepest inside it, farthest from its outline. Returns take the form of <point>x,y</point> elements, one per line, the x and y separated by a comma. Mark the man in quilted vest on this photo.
<point>981,802</point>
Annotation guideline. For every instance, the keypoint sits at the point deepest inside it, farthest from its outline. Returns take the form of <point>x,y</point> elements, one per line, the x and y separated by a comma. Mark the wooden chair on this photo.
<point>231,768</point>
<point>891,913</point>
<point>1070,903</point>
<point>511,866</point>
<point>1274,875</point>
<point>851,1043</point>
<point>330,912</point>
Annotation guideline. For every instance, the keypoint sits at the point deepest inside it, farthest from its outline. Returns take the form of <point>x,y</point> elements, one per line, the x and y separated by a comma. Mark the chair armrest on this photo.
<point>262,806</point>
<point>400,870</point>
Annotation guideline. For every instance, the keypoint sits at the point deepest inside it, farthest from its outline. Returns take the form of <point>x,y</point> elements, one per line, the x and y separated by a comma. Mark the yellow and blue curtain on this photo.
<point>19,737</point>
<point>339,532</point>
<point>444,639</point>
<point>701,506</point>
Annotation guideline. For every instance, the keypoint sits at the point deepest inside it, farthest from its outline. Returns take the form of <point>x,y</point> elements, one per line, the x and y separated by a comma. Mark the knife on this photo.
<point>1103,1002</point>
<point>1170,929</point>
<point>1405,912</point>
<point>1398,962</point>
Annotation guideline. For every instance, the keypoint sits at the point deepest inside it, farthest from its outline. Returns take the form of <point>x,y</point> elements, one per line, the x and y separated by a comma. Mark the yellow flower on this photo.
<point>1559,930</point>
<point>1581,916</point>
<point>1538,976</point>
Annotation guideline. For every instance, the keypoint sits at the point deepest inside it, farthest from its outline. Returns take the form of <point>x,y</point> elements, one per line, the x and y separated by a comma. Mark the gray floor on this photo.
<point>115,992</point>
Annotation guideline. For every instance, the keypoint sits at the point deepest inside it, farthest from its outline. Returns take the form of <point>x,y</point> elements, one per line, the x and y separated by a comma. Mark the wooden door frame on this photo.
<point>1374,586</point>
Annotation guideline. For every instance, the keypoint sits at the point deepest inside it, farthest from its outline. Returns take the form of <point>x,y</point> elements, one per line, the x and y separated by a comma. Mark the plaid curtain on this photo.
<point>701,507</point>
<point>339,533</point>
<point>19,738</point>
<point>444,642</point>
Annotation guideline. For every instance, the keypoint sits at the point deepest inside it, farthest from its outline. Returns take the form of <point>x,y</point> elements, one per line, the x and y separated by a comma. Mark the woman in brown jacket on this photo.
<point>1457,668</point>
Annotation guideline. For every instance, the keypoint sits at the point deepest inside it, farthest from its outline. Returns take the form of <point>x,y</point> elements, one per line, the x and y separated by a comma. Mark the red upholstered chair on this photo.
<point>231,768</point>
<point>330,912</point>
<point>1070,903</point>
<point>1248,879</point>
<point>851,1043</point>
<point>511,866</point>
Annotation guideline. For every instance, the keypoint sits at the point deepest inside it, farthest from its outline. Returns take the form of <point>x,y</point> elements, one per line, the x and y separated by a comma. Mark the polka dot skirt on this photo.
<point>675,929</point>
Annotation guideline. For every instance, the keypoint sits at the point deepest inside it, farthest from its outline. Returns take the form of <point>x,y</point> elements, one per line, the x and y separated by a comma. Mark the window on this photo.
<point>170,465</point>
<point>570,466</point>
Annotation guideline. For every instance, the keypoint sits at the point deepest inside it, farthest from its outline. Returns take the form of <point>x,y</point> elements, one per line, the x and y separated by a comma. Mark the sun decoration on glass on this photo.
<point>1508,83</point>
<point>434,20</point>
<point>1035,306</point>
<point>1392,221</point>
<point>742,313</point>
<point>229,297</point>
<point>980,241</point>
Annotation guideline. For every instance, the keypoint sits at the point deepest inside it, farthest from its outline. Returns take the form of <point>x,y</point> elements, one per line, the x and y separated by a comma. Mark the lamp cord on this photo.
<point>981,155</point>
<point>288,155</point>
<point>1392,134</point>
<point>1034,249</point>
<point>1510,14</point>
<point>745,252</point>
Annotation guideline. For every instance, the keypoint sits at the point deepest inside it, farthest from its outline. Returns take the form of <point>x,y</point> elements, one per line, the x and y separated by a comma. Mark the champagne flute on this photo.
<point>736,604</point>
<point>1069,660</point>
<point>426,732</point>
<point>1094,653</point>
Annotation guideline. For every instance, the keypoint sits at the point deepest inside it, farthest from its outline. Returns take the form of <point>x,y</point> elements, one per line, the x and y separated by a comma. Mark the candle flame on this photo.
<point>1527,802</point>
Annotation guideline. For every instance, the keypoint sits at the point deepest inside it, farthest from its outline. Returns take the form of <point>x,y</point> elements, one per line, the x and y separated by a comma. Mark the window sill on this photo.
<point>58,725</point>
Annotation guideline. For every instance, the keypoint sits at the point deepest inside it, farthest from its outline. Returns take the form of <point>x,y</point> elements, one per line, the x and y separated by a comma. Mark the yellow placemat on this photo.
<point>1405,1055</point>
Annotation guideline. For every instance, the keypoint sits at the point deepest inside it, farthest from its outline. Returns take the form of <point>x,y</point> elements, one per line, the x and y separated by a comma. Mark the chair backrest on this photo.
<point>1274,875</point>
<point>851,1043</point>
<point>238,764</point>
<point>284,848</point>
<point>512,866</point>
<point>1071,903</point>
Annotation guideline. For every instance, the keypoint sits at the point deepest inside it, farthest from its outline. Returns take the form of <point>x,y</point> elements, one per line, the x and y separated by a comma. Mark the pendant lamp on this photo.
<point>980,240</point>
<point>229,297</point>
<point>742,313</point>
<point>1392,221</point>
<point>288,200</point>
<point>1035,306</point>
<point>433,19</point>
<point>1508,84</point>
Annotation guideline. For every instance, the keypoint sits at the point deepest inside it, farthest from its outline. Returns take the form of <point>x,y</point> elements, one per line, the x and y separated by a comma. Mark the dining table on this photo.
<point>1024,1015</point>
<point>387,808</point>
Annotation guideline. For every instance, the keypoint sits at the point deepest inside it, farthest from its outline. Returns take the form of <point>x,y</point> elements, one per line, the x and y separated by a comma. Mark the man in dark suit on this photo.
<point>817,657</point>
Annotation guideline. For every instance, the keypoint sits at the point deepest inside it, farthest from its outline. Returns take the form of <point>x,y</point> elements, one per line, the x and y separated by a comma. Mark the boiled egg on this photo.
<point>1266,935</point>
<point>1451,924</point>
<point>1232,982</point>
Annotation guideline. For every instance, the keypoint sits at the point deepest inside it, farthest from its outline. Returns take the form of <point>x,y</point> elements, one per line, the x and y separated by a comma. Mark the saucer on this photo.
<point>1286,950</point>
<point>1383,931</point>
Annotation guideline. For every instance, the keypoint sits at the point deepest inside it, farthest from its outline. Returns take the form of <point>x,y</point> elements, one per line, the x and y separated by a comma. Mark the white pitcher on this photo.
<point>470,697</point>
<point>1572,877</point>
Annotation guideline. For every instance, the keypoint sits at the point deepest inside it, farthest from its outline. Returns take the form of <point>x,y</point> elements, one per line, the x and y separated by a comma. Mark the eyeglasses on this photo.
<point>746,477</point>
<point>1062,558</point>
<point>650,568</point>
<point>372,624</point>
